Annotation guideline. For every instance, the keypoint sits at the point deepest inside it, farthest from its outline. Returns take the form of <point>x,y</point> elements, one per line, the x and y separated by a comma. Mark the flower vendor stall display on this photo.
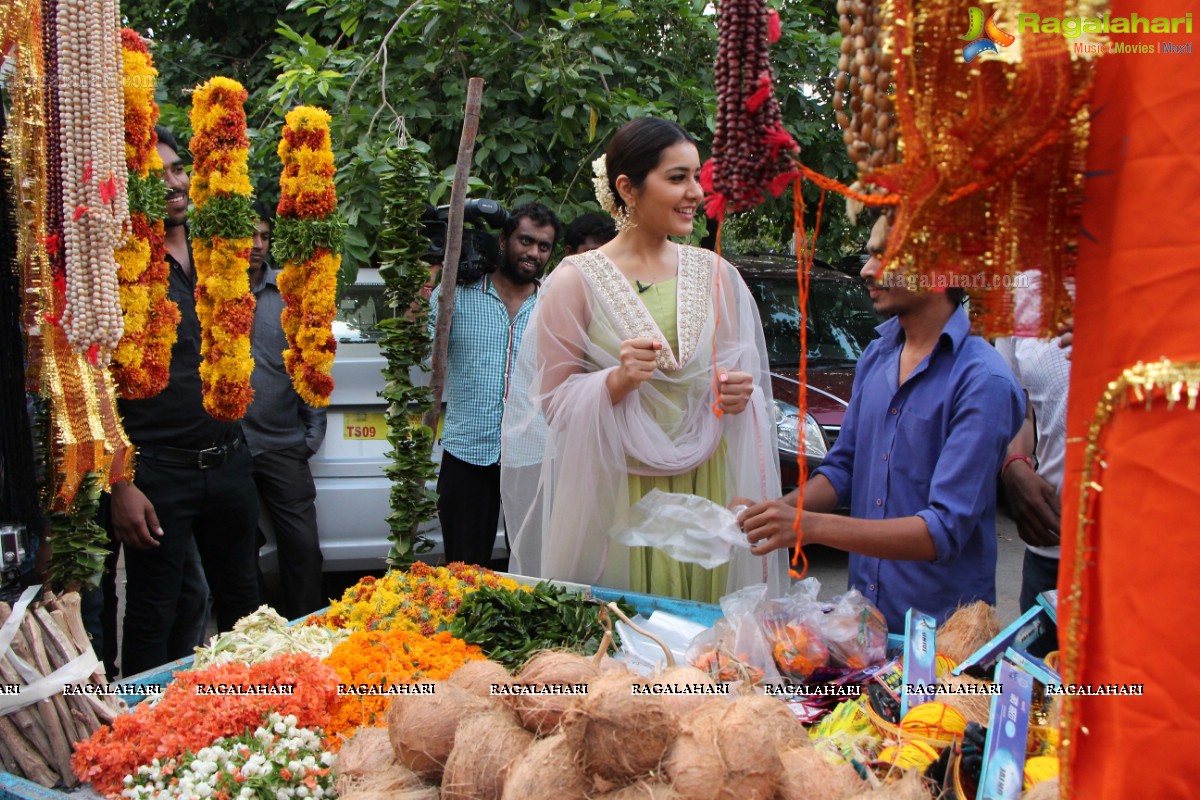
<point>222,230</point>
<point>264,634</point>
<point>308,243</point>
<point>141,363</point>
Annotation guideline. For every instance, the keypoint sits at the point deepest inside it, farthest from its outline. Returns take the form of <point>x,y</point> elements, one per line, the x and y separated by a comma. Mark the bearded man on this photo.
<point>490,316</point>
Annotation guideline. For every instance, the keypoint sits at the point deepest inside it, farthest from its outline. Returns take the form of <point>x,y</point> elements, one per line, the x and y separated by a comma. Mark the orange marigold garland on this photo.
<point>223,226</point>
<point>141,362</point>
<point>308,243</point>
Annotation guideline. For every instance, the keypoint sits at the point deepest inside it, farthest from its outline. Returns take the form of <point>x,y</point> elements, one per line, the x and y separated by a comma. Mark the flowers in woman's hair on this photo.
<point>604,195</point>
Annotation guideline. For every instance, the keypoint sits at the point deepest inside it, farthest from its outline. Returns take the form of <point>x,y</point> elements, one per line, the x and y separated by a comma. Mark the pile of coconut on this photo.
<point>609,744</point>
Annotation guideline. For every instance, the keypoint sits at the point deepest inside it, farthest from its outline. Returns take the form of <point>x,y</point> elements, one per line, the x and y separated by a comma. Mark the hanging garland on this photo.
<point>405,344</point>
<point>223,228</point>
<point>308,242</point>
<point>141,363</point>
<point>95,207</point>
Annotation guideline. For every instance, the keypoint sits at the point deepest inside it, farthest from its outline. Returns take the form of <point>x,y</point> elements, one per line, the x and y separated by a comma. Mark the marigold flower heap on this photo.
<point>422,600</point>
<point>223,227</point>
<point>308,243</point>
<point>141,362</point>
<point>386,658</point>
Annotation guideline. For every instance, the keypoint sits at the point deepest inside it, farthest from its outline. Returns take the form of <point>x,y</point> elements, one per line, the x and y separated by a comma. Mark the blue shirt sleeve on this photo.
<point>987,414</point>
<point>838,465</point>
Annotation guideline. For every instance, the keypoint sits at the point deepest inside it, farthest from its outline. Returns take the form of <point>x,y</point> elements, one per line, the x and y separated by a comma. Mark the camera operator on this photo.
<point>490,314</point>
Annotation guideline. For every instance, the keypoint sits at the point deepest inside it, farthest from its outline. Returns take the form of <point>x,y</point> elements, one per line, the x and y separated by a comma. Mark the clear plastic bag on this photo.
<point>736,648</point>
<point>855,632</point>
<point>686,527</point>
<point>790,624</point>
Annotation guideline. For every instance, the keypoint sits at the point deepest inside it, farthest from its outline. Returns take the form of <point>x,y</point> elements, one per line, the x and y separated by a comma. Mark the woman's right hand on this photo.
<point>638,361</point>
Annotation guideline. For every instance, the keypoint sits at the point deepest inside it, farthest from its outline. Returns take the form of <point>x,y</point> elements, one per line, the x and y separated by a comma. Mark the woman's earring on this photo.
<point>624,219</point>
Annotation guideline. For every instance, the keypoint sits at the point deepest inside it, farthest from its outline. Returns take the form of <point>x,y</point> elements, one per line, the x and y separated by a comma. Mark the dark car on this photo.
<point>841,323</point>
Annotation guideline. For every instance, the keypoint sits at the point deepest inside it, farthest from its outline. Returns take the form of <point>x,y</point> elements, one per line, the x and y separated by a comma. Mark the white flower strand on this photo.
<point>91,112</point>
<point>604,195</point>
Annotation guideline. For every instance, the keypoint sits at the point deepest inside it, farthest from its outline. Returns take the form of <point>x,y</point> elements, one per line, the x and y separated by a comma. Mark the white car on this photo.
<point>352,491</point>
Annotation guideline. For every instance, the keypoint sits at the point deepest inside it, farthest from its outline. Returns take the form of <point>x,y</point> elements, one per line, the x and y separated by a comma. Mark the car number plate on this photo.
<point>364,426</point>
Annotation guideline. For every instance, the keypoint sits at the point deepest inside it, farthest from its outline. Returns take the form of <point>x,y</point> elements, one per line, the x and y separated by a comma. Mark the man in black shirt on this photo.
<point>192,501</point>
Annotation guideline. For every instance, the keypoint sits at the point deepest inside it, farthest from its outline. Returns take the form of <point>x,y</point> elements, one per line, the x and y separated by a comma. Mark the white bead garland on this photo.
<point>92,118</point>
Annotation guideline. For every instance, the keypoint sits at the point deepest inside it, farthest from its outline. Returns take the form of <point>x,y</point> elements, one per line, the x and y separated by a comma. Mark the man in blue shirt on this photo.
<point>490,316</point>
<point>931,415</point>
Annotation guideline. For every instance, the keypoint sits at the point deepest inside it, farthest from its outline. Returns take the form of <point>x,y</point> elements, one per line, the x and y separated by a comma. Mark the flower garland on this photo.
<point>141,362</point>
<point>223,228</point>
<point>422,600</point>
<point>386,658</point>
<point>95,207</point>
<point>279,759</point>
<point>189,716</point>
<point>308,243</point>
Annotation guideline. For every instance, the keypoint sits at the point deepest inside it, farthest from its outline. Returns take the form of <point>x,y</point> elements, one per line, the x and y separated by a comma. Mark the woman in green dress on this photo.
<point>643,367</point>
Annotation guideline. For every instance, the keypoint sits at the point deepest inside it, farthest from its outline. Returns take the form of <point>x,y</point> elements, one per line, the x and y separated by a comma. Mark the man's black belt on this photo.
<point>207,458</point>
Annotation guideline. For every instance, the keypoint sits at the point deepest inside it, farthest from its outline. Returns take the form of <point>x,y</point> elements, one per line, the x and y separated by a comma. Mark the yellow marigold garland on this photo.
<point>222,232</point>
<point>308,239</point>
<point>422,599</point>
<point>388,658</point>
<point>141,361</point>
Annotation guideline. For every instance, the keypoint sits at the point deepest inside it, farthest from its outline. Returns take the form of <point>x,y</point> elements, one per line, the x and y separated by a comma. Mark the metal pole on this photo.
<point>454,226</point>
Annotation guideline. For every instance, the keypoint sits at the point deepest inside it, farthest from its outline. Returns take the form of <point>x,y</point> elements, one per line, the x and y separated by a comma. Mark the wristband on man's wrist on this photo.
<point>1008,462</point>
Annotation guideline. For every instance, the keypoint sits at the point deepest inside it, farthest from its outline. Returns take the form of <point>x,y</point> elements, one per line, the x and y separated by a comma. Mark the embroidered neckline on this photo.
<point>632,318</point>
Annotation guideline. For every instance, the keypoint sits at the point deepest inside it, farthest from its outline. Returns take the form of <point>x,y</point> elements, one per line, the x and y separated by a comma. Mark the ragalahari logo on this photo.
<point>984,36</point>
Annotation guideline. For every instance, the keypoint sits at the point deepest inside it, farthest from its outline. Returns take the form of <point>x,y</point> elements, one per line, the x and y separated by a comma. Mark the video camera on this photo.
<point>480,253</point>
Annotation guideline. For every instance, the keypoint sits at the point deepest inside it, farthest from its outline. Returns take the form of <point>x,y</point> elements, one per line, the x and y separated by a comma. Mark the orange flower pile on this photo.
<point>185,720</point>
<point>308,244</point>
<point>141,363</point>
<point>223,227</point>
<point>387,658</point>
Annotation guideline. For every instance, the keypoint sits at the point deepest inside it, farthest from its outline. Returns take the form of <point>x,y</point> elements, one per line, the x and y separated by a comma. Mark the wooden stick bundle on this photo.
<point>36,741</point>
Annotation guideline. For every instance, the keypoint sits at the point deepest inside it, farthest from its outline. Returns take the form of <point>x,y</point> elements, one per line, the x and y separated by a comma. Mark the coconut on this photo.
<point>541,713</point>
<point>546,771</point>
<point>809,775</point>
<point>1046,790</point>
<point>365,754</point>
<point>642,790</point>
<point>974,707</point>
<point>721,754</point>
<point>777,720</point>
<point>968,629</point>
<point>385,781</point>
<point>477,677</point>
<point>616,735</point>
<point>485,746</point>
<point>421,726</point>
<point>685,675</point>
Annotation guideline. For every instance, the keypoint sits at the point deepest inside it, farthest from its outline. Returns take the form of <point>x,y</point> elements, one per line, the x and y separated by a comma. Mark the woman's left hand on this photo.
<point>733,391</point>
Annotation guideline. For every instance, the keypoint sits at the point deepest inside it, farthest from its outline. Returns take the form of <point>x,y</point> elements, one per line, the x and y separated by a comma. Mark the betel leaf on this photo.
<point>510,626</point>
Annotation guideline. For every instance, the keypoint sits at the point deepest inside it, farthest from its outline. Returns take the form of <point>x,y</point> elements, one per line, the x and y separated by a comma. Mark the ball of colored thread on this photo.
<point>944,665</point>
<point>1040,768</point>
<point>909,754</point>
<point>934,721</point>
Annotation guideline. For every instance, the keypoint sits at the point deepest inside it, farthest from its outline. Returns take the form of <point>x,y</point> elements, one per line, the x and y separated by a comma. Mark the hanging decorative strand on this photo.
<point>308,242</point>
<point>223,228</point>
<point>750,139</point>
<point>141,363</point>
<point>95,207</point>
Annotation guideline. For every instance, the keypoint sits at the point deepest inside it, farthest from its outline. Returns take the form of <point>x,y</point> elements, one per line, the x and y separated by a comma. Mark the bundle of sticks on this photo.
<point>36,738</point>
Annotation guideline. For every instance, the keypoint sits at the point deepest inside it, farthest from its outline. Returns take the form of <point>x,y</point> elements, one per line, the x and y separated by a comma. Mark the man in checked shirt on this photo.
<point>490,316</point>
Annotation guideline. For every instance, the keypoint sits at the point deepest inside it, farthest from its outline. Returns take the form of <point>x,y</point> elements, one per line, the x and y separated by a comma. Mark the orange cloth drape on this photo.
<point>1138,299</point>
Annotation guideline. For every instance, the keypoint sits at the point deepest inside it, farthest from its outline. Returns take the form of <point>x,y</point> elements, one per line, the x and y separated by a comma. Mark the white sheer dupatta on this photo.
<point>567,451</point>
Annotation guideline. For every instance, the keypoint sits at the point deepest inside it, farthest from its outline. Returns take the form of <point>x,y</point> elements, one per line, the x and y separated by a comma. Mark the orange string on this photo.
<point>716,405</point>
<point>803,265</point>
<point>831,185</point>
